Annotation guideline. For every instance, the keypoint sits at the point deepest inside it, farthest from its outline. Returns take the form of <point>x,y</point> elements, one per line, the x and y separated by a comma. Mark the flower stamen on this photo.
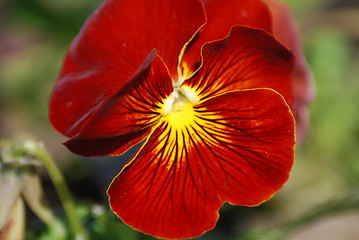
<point>177,109</point>
<point>178,99</point>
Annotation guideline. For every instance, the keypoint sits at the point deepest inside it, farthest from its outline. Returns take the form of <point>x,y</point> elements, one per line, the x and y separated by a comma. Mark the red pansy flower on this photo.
<point>203,84</point>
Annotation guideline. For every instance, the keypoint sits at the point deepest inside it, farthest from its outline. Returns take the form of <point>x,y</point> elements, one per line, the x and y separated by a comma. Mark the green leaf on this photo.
<point>55,231</point>
<point>104,227</point>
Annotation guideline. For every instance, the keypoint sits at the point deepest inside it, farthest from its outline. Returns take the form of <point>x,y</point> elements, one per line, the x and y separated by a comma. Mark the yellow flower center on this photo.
<point>178,110</point>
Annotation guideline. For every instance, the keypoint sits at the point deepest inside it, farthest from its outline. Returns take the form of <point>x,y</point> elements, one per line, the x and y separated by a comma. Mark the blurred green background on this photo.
<point>35,34</point>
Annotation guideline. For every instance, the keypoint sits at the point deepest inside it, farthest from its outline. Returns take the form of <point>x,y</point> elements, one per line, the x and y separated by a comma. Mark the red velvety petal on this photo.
<point>221,17</point>
<point>237,148</point>
<point>113,146</point>
<point>285,30</point>
<point>247,58</point>
<point>136,107</point>
<point>110,48</point>
<point>127,117</point>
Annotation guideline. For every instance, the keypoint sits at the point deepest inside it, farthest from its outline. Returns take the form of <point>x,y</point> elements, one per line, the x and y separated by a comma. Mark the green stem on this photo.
<point>33,148</point>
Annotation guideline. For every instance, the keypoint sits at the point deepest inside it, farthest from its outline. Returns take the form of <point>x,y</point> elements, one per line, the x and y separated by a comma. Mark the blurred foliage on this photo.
<point>34,36</point>
<point>100,222</point>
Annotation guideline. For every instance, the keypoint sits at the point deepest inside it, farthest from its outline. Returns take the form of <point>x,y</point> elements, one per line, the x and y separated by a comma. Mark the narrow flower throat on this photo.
<point>177,109</point>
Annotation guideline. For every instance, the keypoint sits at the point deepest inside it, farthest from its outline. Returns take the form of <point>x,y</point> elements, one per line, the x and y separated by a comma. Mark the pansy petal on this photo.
<point>113,146</point>
<point>247,58</point>
<point>110,48</point>
<point>221,17</point>
<point>237,147</point>
<point>128,116</point>
<point>285,30</point>
<point>136,107</point>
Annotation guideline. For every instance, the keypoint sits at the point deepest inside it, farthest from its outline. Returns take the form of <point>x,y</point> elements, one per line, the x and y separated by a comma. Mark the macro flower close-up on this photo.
<point>179,119</point>
<point>212,89</point>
